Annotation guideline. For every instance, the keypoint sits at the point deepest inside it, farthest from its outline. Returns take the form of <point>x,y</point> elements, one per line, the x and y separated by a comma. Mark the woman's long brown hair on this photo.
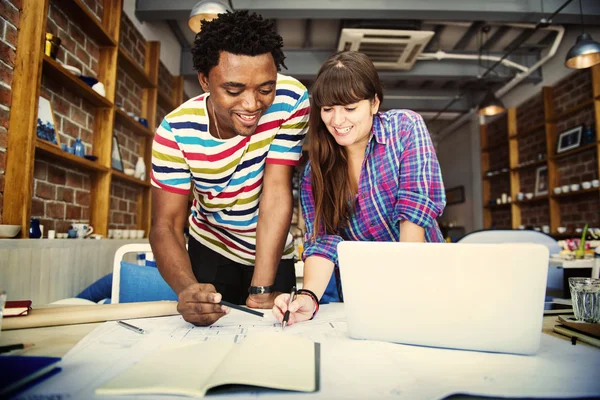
<point>345,78</point>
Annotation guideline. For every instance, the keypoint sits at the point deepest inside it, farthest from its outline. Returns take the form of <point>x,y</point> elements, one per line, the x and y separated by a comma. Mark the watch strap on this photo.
<point>260,289</point>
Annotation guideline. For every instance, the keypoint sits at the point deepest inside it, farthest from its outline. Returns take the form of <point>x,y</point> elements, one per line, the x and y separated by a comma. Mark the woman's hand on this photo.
<point>301,309</point>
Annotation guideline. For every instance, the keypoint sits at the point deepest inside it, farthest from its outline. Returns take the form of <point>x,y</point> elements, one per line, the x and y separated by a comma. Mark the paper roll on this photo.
<point>70,315</point>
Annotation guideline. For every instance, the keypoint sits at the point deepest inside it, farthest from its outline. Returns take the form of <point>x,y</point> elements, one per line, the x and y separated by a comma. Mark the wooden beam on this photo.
<point>596,83</point>
<point>177,90</point>
<point>27,77</point>
<point>111,18</point>
<point>553,204</point>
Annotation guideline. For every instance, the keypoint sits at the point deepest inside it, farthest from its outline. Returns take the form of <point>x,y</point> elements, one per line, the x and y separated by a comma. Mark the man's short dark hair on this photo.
<point>238,32</point>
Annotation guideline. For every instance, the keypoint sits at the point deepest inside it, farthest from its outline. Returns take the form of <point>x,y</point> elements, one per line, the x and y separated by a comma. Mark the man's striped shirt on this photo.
<point>226,175</point>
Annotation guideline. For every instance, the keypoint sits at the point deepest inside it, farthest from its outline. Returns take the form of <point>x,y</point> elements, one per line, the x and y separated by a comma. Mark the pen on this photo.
<point>286,316</point>
<point>240,308</point>
<point>11,347</point>
<point>131,327</point>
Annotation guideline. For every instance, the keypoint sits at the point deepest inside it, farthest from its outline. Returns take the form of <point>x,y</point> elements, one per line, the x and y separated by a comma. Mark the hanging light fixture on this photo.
<point>491,105</point>
<point>206,10</point>
<point>586,51</point>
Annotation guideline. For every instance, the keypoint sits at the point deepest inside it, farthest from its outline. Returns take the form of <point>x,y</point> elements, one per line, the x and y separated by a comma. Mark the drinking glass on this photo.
<point>585,295</point>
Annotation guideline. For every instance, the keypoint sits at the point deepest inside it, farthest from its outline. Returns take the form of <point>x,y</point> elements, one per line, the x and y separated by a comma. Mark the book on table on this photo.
<point>265,360</point>
<point>16,308</point>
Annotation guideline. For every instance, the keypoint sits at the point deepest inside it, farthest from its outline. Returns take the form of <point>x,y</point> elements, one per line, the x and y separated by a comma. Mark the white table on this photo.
<point>594,264</point>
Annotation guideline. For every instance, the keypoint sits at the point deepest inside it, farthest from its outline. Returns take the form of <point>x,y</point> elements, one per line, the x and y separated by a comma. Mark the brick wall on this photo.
<point>61,196</point>
<point>129,144</point>
<point>161,113</point>
<point>76,48</point>
<point>532,145</point>
<point>499,158</point>
<point>535,215</point>
<point>499,185</point>
<point>9,24</point>
<point>577,211</point>
<point>132,41</point>
<point>527,180</point>
<point>530,113</point>
<point>165,80</point>
<point>123,206</point>
<point>585,116</point>
<point>497,131</point>
<point>577,168</point>
<point>572,90</point>
<point>96,7</point>
<point>501,219</point>
<point>128,93</point>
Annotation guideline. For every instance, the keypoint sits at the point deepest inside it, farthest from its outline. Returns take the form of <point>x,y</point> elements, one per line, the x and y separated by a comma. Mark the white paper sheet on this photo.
<point>350,369</point>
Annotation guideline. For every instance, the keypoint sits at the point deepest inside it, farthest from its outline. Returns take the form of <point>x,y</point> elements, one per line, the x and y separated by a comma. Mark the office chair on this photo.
<point>136,283</point>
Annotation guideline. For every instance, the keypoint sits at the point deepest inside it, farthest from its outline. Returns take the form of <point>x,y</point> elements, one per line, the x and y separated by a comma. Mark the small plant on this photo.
<point>580,252</point>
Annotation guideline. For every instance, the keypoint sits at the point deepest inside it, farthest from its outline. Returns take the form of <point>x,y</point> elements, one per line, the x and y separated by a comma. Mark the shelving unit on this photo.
<point>24,146</point>
<point>549,204</point>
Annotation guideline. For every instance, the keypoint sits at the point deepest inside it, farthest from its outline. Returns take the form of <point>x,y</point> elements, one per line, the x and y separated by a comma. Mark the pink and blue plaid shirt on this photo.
<point>400,180</point>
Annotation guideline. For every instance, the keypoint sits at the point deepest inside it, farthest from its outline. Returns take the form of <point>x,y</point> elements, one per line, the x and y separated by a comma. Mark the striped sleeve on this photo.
<point>170,170</point>
<point>286,147</point>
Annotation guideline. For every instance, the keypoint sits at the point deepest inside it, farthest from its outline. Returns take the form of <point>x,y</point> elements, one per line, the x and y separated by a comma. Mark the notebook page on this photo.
<point>272,360</point>
<point>176,370</point>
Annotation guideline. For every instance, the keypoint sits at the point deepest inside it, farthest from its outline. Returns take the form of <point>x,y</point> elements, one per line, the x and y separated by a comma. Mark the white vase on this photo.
<point>140,169</point>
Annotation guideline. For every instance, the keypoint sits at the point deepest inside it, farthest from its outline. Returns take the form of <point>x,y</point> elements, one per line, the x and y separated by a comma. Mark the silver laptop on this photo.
<point>487,297</point>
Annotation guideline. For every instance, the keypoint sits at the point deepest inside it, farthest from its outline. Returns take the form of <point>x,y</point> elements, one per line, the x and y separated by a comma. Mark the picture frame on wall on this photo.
<point>569,139</point>
<point>46,126</point>
<point>541,181</point>
<point>455,195</point>
<point>116,160</point>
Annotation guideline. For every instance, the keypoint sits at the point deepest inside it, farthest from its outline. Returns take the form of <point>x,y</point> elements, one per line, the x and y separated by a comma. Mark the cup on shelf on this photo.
<point>504,198</point>
<point>546,229</point>
<point>521,227</point>
<point>51,234</point>
<point>557,190</point>
<point>125,234</point>
<point>520,196</point>
<point>595,183</point>
<point>529,196</point>
<point>139,234</point>
<point>565,188</point>
<point>586,185</point>
<point>118,233</point>
<point>561,229</point>
<point>575,187</point>
<point>62,235</point>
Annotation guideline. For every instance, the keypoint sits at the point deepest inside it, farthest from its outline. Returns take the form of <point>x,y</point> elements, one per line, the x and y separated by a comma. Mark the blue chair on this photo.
<point>554,285</point>
<point>137,283</point>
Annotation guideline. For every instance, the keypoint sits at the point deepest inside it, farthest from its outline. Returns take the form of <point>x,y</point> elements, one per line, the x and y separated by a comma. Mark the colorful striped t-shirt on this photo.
<point>226,175</point>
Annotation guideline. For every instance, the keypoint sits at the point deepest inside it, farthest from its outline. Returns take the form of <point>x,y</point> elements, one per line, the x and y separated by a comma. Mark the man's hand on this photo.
<point>199,304</point>
<point>262,300</point>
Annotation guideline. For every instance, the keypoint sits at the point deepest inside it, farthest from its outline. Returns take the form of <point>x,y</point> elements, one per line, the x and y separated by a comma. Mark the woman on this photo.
<point>371,176</point>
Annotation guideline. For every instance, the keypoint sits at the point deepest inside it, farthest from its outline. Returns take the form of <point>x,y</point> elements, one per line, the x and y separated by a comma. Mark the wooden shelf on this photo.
<point>576,193</point>
<point>572,110</point>
<point>165,102</point>
<point>57,153</point>
<point>499,174</point>
<point>134,70</point>
<point>495,147</point>
<point>535,199</point>
<point>87,22</point>
<point>72,83</point>
<point>574,151</point>
<point>532,165</point>
<point>130,123</point>
<point>123,177</point>
<point>526,132</point>
<point>497,206</point>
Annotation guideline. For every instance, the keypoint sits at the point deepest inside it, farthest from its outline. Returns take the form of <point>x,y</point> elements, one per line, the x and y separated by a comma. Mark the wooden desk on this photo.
<point>56,341</point>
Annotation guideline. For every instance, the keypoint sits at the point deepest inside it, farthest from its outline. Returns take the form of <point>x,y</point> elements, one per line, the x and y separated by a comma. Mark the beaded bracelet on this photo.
<point>313,297</point>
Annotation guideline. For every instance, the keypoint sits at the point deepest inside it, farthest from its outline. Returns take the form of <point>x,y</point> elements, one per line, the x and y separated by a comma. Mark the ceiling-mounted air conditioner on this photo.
<point>388,49</point>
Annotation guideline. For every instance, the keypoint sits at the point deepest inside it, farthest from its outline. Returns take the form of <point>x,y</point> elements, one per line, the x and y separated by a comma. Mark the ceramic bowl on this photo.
<point>586,185</point>
<point>529,196</point>
<point>566,189</point>
<point>557,190</point>
<point>575,187</point>
<point>129,171</point>
<point>561,229</point>
<point>596,183</point>
<point>9,231</point>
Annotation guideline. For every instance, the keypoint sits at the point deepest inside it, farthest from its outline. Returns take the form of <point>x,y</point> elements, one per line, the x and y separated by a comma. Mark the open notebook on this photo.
<point>191,369</point>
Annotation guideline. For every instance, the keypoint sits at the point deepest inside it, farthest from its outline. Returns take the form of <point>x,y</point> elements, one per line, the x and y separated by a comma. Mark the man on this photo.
<point>232,146</point>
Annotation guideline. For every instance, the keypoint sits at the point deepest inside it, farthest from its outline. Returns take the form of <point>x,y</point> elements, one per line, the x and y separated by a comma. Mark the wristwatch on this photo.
<point>260,289</point>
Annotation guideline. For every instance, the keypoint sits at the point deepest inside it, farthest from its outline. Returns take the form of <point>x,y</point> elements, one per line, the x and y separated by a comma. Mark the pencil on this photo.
<point>240,308</point>
<point>11,347</point>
